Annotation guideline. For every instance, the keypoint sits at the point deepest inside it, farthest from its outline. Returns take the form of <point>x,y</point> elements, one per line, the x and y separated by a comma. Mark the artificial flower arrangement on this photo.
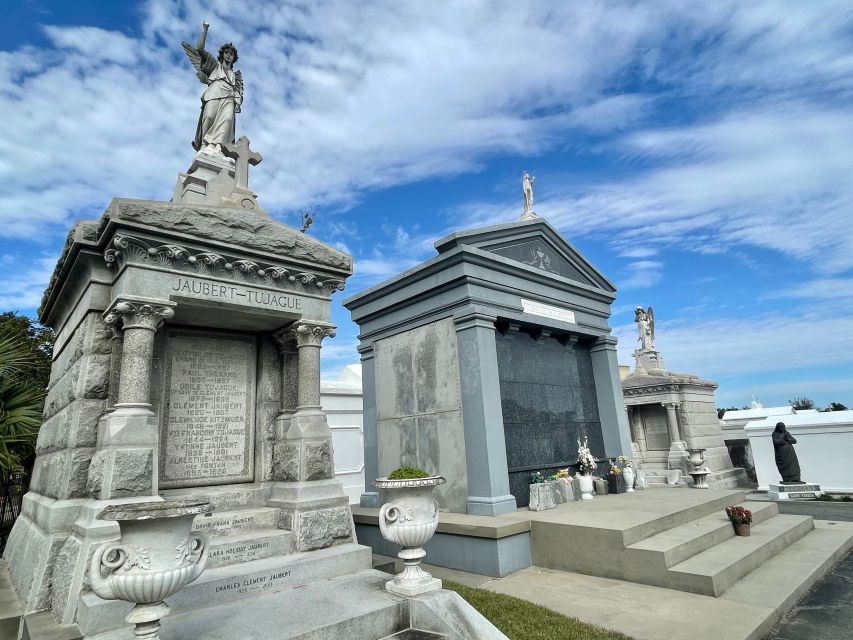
<point>563,475</point>
<point>739,515</point>
<point>614,470</point>
<point>537,478</point>
<point>586,461</point>
<point>625,461</point>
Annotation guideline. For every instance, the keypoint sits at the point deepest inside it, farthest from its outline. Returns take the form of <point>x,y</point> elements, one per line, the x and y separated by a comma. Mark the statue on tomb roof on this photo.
<point>527,187</point>
<point>222,99</point>
<point>645,320</point>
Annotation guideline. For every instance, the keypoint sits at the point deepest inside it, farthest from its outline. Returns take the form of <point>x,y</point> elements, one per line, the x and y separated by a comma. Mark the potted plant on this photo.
<point>627,472</point>
<point>586,465</point>
<point>614,479</point>
<point>541,495</point>
<point>409,517</point>
<point>741,518</point>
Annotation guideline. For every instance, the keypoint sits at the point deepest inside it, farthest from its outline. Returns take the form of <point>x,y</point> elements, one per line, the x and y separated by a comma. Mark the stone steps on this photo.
<point>680,543</point>
<point>636,533</point>
<point>713,571</point>
<point>249,546</point>
<point>239,582</point>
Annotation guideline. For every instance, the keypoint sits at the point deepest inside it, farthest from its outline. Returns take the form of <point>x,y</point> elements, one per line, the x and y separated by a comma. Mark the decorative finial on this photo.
<point>527,188</point>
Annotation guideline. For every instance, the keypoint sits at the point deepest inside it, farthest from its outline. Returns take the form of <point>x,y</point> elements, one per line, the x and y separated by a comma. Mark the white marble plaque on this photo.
<point>547,311</point>
<point>207,428</point>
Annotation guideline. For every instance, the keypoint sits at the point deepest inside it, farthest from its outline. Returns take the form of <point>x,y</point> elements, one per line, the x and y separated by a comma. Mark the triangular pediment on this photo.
<point>535,244</point>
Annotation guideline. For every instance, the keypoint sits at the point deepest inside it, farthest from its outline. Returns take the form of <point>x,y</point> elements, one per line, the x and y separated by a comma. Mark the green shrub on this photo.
<point>407,473</point>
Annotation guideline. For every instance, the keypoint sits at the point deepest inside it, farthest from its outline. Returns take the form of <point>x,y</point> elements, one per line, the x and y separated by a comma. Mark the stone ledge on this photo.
<point>461,524</point>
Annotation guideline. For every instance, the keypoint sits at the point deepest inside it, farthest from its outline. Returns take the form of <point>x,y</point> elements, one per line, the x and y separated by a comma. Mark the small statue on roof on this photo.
<point>645,320</point>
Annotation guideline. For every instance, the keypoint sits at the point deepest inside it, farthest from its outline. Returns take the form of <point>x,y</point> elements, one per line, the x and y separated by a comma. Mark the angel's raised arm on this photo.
<point>202,37</point>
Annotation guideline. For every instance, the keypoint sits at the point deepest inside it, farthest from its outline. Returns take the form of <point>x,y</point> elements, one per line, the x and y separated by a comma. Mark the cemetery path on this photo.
<point>825,612</point>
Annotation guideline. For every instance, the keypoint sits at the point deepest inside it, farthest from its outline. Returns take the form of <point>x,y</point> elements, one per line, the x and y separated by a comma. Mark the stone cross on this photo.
<point>243,157</point>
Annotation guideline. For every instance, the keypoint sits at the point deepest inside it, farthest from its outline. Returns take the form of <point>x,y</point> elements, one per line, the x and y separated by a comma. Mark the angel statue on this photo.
<point>222,98</point>
<point>646,321</point>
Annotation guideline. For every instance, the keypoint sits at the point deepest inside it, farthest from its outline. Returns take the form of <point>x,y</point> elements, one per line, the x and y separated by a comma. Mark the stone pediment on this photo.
<point>535,244</point>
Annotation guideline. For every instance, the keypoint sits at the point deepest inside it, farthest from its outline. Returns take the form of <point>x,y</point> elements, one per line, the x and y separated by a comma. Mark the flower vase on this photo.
<point>628,474</point>
<point>157,556</point>
<point>741,529</point>
<point>409,517</point>
<point>586,484</point>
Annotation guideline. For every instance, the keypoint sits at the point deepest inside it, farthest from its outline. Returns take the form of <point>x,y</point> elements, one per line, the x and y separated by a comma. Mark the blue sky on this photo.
<point>700,154</point>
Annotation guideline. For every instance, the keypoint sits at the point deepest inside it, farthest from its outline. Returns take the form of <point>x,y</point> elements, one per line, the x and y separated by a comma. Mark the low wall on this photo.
<point>824,444</point>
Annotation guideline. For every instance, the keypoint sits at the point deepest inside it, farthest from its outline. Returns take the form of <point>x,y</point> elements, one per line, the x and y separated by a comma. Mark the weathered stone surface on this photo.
<point>63,576</point>
<point>74,426</point>
<point>94,376</point>
<point>286,462</point>
<point>95,479</point>
<point>132,472</point>
<point>83,232</point>
<point>234,226</point>
<point>78,462</point>
<point>318,460</point>
<point>322,528</point>
<point>52,473</point>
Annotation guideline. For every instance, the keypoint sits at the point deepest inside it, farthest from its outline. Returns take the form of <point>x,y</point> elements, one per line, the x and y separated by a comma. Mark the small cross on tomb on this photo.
<point>243,157</point>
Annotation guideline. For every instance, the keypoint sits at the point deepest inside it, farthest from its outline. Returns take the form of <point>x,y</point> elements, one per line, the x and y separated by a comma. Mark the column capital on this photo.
<point>475,319</point>
<point>604,342</point>
<point>139,313</point>
<point>670,405</point>
<point>309,333</point>
<point>285,339</point>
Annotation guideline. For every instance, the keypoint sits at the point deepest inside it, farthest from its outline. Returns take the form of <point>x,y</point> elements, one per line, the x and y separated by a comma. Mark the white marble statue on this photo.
<point>527,187</point>
<point>223,97</point>
<point>646,322</point>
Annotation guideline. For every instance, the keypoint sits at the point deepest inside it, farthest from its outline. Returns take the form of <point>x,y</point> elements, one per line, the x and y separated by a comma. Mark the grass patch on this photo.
<point>522,620</point>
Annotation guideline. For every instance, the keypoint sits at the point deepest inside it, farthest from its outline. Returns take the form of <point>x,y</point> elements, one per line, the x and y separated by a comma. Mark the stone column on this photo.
<point>127,457</point>
<point>482,417</point>
<point>639,430</point>
<point>312,502</point>
<point>370,497</point>
<point>305,450</point>
<point>115,364</point>
<point>672,421</point>
<point>285,340</point>
<point>608,391</point>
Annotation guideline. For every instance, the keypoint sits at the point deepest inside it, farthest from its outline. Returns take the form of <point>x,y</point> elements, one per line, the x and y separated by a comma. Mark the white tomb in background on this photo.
<point>341,399</point>
<point>824,445</point>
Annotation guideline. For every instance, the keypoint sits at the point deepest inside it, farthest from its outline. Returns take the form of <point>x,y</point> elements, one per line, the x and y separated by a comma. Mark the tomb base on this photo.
<point>794,491</point>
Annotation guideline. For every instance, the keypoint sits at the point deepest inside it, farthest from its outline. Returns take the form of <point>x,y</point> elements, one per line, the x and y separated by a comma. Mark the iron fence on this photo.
<point>12,490</point>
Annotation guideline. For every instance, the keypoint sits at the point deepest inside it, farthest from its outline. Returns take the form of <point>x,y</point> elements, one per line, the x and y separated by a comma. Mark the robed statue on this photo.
<point>645,320</point>
<point>786,457</point>
<point>527,188</point>
<point>223,97</point>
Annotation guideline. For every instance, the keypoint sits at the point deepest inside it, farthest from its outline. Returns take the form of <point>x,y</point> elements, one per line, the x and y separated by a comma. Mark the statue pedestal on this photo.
<point>649,362</point>
<point>794,491</point>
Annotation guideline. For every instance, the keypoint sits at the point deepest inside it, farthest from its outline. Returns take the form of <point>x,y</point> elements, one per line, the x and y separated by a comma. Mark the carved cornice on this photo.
<point>130,249</point>
<point>138,315</point>
<point>312,334</point>
<point>659,388</point>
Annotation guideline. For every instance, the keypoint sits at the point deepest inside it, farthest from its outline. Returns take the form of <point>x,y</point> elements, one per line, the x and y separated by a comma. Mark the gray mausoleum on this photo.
<point>488,362</point>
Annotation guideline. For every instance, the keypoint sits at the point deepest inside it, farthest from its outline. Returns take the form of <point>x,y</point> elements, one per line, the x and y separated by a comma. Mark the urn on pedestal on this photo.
<point>409,517</point>
<point>157,555</point>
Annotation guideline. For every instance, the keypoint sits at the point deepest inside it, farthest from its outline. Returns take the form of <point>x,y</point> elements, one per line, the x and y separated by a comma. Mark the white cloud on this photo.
<point>22,290</point>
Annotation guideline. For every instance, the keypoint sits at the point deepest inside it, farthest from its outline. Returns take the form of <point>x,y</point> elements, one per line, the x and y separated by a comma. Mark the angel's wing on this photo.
<point>651,316</point>
<point>238,80</point>
<point>195,59</point>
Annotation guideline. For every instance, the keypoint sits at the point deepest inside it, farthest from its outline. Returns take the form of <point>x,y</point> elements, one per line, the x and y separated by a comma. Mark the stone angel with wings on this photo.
<point>646,323</point>
<point>223,97</point>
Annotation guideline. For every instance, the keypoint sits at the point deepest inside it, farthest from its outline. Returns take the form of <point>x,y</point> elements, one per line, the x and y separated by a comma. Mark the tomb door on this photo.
<point>206,406</point>
<point>655,427</point>
<point>548,400</point>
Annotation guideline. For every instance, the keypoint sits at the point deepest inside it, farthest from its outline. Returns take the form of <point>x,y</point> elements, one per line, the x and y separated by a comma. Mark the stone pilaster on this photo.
<point>482,417</point>
<point>672,421</point>
<point>127,456</point>
<point>639,430</point>
<point>370,497</point>
<point>677,458</point>
<point>312,502</point>
<point>608,391</point>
